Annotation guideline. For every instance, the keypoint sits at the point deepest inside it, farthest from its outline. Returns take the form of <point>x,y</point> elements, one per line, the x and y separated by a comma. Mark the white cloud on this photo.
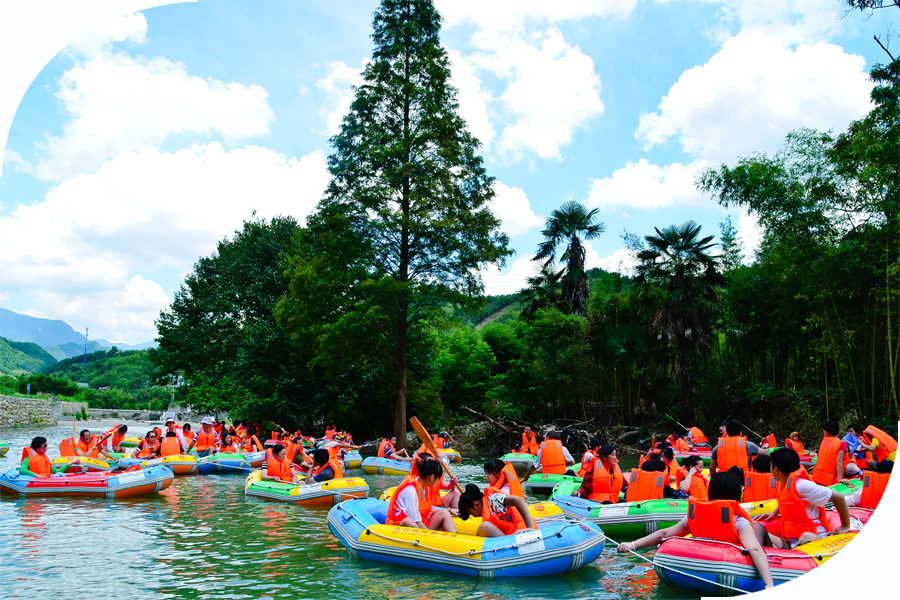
<point>473,98</point>
<point>512,280</point>
<point>621,261</point>
<point>511,206</point>
<point>753,92</point>
<point>116,104</point>
<point>645,185</point>
<point>553,90</point>
<point>792,21</point>
<point>144,211</point>
<point>338,83</point>
<point>750,234</point>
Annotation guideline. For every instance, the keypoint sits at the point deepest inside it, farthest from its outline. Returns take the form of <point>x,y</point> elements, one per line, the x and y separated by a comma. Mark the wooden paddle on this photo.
<point>429,443</point>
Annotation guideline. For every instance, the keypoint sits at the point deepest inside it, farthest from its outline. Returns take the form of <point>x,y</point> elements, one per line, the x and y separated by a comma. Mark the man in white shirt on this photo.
<point>551,435</point>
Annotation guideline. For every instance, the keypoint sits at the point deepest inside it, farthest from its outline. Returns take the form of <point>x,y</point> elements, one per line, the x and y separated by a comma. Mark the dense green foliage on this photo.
<point>22,357</point>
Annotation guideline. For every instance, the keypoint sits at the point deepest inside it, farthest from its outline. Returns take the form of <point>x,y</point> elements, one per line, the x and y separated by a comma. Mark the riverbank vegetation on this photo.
<point>373,309</point>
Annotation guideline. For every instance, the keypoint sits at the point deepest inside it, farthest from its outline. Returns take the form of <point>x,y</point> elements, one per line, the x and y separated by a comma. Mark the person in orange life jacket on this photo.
<point>227,444</point>
<point>188,436</point>
<point>111,440</point>
<point>502,476</point>
<point>723,431</point>
<point>860,451</point>
<point>149,446</point>
<point>856,499</point>
<point>733,430</point>
<point>656,464</point>
<point>251,441</point>
<point>691,475</point>
<point>608,457</point>
<point>679,444</point>
<point>87,445</point>
<point>793,442</point>
<point>335,445</point>
<point>722,487</point>
<point>499,512</point>
<point>389,450</point>
<point>207,439</point>
<point>834,463</point>
<point>588,457</point>
<point>529,443</point>
<point>278,468</point>
<point>696,439</point>
<point>410,507</point>
<point>809,495</point>
<point>667,454</point>
<point>538,464</point>
<point>448,500</point>
<point>321,469</point>
<point>171,427</point>
<point>36,464</point>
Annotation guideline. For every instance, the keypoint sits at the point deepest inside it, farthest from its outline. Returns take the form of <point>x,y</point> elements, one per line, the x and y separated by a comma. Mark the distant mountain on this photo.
<point>57,338</point>
<point>23,357</point>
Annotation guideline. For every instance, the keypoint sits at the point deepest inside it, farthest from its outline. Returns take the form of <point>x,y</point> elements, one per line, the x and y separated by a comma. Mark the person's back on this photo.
<point>648,482</point>
<point>832,456</point>
<point>552,459</point>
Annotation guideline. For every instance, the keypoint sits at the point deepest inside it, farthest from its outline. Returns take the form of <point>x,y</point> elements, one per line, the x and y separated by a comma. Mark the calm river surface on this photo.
<point>201,538</point>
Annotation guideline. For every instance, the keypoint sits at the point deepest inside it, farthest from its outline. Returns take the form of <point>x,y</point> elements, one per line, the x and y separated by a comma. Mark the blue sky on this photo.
<point>143,143</point>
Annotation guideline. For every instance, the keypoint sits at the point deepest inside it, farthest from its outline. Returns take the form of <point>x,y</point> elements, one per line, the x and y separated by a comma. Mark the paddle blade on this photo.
<point>429,443</point>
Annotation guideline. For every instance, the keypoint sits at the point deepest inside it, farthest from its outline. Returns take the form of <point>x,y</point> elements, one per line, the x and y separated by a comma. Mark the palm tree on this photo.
<point>678,284</point>
<point>567,223</point>
<point>544,289</point>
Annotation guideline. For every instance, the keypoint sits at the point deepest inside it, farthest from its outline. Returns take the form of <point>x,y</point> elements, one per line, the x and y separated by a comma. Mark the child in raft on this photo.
<point>409,506</point>
<point>389,450</point>
<point>589,455</point>
<point>502,476</point>
<point>501,514</point>
<point>722,486</point>
<point>36,464</point>
<point>690,478</point>
<point>803,503</point>
<point>324,468</point>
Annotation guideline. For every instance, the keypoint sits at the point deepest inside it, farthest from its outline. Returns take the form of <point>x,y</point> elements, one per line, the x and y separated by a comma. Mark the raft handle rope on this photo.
<point>468,552</point>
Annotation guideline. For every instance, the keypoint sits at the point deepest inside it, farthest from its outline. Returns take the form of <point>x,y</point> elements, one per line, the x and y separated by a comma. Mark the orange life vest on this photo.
<point>228,448</point>
<point>697,436</point>
<point>329,433</point>
<point>114,438</point>
<point>279,468</point>
<point>824,471</point>
<point>438,441</point>
<point>170,447</point>
<point>37,463</point>
<point>335,466</point>
<point>681,446</point>
<point>252,444</point>
<point>80,445</point>
<point>508,521</point>
<point>887,444</point>
<point>395,516</point>
<point>189,436</point>
<point>293,449</point>
<point>385,444</point>
<point>553,461</point>
<point>606,486</point>
<point>770,442</point>
<point>67,447</point>
<point>671,439</point>
<point>645,485</point>
<point>146,448</point>
<point>874,485</point>
<point>795,446</point>
<point>699,484</point>
<point>759,487</point>
<point>586,459</point>
<point>732,451</point>
<point>714,519</point>
<point>205,440</point>
<point>508,477</point>
<point>796,520</point>
<point>530,446</point>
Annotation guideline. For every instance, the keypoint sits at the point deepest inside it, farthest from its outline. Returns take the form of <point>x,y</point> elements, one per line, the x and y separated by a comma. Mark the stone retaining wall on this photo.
<point>73,408</point>
<point>25,412</point>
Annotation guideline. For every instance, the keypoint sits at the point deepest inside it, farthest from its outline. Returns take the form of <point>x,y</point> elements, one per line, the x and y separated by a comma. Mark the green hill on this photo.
<point>23,357</point>
<point>131,370</point>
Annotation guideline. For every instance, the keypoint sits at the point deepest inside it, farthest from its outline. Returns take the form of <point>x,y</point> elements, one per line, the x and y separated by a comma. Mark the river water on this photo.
<point>202,538</point>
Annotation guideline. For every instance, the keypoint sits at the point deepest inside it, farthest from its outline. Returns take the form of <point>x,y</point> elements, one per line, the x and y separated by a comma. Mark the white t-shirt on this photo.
<point>408,502</point>
<point>816,496</point>
<point>505,489</point>
<point>566,455</point>
<point>739,522</point>
<point>180,435</point>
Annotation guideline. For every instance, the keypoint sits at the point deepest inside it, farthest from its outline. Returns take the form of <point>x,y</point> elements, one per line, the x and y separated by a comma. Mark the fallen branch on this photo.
<point>488,419</point>
<point>627,434</point>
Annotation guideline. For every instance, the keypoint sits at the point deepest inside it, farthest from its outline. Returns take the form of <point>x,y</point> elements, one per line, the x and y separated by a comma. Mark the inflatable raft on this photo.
<point>451,454</point>
<point>717,568</point>
<point>223,462</point>
<point>179,464</point>
<point>130,442</point>
<point>625,521</point>
<point>326,493</point>
<point>4,448</point>
<point>544,484</point>
<point>557,547</point>
<point>520,461</point>
<point>88,465</point>
<point>255,459</point>
<point>385,466</point>
<point>353,460</point>
<point>95,485</point>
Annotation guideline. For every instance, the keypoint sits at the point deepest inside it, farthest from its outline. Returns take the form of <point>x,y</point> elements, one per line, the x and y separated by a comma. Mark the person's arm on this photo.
<point>520,505</point>
<point>840,504</point>
<point>534,466</point>
<point>568,457</point>
<point>768,516</point>
<point>757,555</point>
<point>838,467</point>
<point>655,538</point>
<point>23,469</point>
<point>686,482</point>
